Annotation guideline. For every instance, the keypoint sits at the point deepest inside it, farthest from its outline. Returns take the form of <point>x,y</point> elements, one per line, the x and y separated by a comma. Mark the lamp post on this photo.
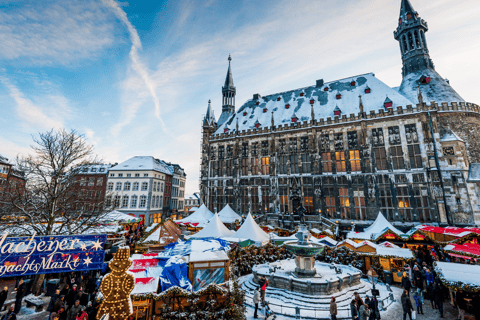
<point>373,278</point>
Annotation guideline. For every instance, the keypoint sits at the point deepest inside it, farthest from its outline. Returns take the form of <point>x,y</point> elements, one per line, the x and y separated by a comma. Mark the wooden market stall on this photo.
<point>205,268</point>
<point>163,234</point>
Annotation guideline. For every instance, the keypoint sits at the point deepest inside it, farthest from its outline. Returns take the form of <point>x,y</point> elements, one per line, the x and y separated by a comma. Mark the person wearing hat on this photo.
<point>74,310</point>
<point>71,296</point>
<point>406,284</point>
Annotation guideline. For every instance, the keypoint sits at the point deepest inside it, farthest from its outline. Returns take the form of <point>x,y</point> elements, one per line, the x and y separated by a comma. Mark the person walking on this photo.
<point>438,297</point>
<point>53,299</point>
<point>333,309</point>
<point>418,302</point>
<point>256,300</point>
<point>3,296</point>
<point>363,312</point>
<point>461,304</point>
<point>374,311</point>
<point>10,315</point>
<point>406,284</point>
<point>353,309</point>
<point>74,310</point>
<point>418,282</point>
<point>263,288</point>
<point>406,305</point>
<point>82,314</point>
<point>19,296</point>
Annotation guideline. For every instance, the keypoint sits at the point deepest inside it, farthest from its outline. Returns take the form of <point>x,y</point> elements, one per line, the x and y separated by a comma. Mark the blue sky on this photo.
<point>135,77</point>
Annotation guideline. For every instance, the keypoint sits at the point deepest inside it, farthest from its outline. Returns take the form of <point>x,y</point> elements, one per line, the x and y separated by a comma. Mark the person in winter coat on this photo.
<point>418,302</point>
<point>429,278</point>
<point>406,305</point>
<point>256,300</point>
<point>364,312</point>
<point>438,297</point>
<point>74,310</point>
<point>65,290</point>
<point>3,296</point>
<point>358,299</point>
<point>333,309</point>
<point>82,315</point>
<point>71,296</point>
<point>353,309</point>
<point>406,284</point>
<point>53,298</point>
<point>461,304</point>
<point>60,302</point>
<point>19,296</point>
<point>62,313</point>
<point>418,282</point>
<point>10,315</point>
<point>374,311</point>
<point>263,288</point>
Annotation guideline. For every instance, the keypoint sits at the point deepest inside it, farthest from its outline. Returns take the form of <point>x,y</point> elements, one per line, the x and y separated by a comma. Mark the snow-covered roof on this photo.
<point>474,172</point>
<point>95,169</point>
<point>200,216</point>
<point>142,163</point>
<point>457,274</point>
<point>145,285</point>
<point>227,215</point>
<point>214,228</point>
<point>251,231</point>
<point>437,89</point>
<point>324,102</point>
<point>208,256</point>
<point>376,229</point>
<point>396,252</point>
<point>119,217</point>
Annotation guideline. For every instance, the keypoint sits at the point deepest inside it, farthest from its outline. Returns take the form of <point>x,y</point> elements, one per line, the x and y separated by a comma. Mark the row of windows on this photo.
<point>128,175</point>
<point>91,181</point>
<point>127,185</point>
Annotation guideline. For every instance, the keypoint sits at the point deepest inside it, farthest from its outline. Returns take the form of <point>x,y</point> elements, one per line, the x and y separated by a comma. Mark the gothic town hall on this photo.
<point>348,149</point>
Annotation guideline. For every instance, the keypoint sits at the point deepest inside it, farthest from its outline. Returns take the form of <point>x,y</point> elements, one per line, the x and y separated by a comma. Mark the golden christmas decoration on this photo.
<point>116,288</point>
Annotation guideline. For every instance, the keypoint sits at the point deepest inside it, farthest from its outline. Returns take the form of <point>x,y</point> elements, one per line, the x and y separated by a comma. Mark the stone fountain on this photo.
<point>305,252</point>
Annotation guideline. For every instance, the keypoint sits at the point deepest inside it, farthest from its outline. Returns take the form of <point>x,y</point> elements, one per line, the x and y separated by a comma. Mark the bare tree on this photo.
<point>48,205</point>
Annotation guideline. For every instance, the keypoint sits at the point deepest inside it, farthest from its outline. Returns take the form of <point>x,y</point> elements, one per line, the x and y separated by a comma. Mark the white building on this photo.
<point>137,187</point>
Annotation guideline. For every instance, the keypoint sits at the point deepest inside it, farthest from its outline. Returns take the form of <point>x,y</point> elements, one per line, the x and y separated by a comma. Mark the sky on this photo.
<point>135,77</point>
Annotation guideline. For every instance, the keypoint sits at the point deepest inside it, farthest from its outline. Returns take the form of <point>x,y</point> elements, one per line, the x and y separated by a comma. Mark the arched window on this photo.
<point>135,186</point>
<point>125,202</point>
<point>126,186</point>
<point>133,204</point>
<point>410,41</point>
<point>116,202</point>
<point>158,201</point>
<point>423,38</point>
<point>143,201</point>
<point>118,186</point>
<point>144,186</point>
<point>404,41</point>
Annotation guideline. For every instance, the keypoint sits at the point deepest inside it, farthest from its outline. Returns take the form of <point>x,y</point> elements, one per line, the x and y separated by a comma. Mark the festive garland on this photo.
<point>454,285</point>
<point>466,238</point>
<point>374,255</point>
<point>466,254</point>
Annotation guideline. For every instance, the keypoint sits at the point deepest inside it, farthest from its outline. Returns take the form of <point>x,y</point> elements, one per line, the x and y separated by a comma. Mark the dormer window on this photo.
<point>287,106</point>
<point>257,124</point>
<point>409,16</point>
<point>312,101</point>
<point>294,118</point>
<point>425,80</point>
<point>225,130</point>
<point>302,94</point>
<point>244,113</point>
<point>368,90</point>
<point>278,99</point>
<point>337,111</point>
<point>264,110</point>
<point>339,96</point>
<point>388,103</point>
<point>258,102</point>
<point>325,89</point>
<point>353,83</point>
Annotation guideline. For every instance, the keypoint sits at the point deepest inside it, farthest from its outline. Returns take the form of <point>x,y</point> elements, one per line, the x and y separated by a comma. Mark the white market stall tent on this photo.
<point>199,218</point>
<point>378,227</point>
<point>214,228</point>
<point>227,215</point>
<point>251,231</point>
<point>119,217</point>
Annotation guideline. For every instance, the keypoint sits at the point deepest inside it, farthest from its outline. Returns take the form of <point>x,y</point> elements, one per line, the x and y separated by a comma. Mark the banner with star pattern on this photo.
<point>22,256</point>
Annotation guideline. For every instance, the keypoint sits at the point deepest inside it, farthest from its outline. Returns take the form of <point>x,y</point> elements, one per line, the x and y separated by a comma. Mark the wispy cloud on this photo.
<point>137,64</point>
<point>55,33</point>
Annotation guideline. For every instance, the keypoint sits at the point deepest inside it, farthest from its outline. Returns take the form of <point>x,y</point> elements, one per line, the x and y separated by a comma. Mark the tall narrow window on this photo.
<point>344,202</point>
<point>327,161</point>
<point>404,206</point>
<point>133,203</point>
<point>126,186</point>
<point>330,202</point>
<point>306,164</point>
<point>144,186</point>
<point>116,202</point>
<point>118,186</point>
<point>125,202</point>
<point>359,199</point>
<point>254,162</point>
<point>397,157</point>
<point>135,186</point>
<point>265,165</point>
<point>355,160</point>
<point>381,158</point>
<point>244,167</point>
<point>415,156</point>
<point>99,181</point>
<point>294,164</point>
<point>110,186</point>
<point>143,201</point>
<point>340,161</point>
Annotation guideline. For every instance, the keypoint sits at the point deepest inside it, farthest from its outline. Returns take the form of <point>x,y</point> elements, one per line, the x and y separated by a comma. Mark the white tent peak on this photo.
<point>379,225</point>
<point>250,230</point>
<point>200,216</point>
<point>227,215</point>
<point>214,228</point>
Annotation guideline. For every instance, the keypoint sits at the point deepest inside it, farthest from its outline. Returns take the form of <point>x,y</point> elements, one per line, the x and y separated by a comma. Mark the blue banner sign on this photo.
<point>50,254</point>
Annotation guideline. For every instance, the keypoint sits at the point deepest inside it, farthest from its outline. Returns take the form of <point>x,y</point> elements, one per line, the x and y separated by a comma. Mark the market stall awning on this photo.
<point>451,231</point>
<point>214,228</point>
<point>197,219</point>
<point>457,276</point>
<point>227,215</point>
<point>467,249</point>
<point>251,231</point>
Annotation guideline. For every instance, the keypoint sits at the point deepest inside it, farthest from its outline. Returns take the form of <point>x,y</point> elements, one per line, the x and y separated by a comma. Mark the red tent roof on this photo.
<point>453,231</point>
<point>467,248</point>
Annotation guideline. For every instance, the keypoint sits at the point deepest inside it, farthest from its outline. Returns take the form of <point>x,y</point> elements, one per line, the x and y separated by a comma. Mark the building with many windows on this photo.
<point>350,148</point>
<point>142,186</point>
<point>91,187</point>
<point>12,181</point>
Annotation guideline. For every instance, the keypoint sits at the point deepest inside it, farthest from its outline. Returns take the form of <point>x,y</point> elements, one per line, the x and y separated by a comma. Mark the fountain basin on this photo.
<point>300,249</point>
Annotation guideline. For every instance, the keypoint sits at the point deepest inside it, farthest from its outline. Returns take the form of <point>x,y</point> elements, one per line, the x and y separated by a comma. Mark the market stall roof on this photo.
<point>468,249</point>
<point>193,209</point>
<point>379,226</point>
<point>199,218</point>
<point>460,276</point>
<point>208,256</point>
<point>185,248</point>
<point>121,217</point>
<point>227,215</point>
<point>167,232</point>
<point>145,285</point>
<point>383,250</point>
<point>214,228</point>
<point>251,231</point>
<point>451,231</point>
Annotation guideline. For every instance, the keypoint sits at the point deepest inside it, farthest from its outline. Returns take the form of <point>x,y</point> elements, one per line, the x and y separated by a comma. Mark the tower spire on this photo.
<point>228,92</point>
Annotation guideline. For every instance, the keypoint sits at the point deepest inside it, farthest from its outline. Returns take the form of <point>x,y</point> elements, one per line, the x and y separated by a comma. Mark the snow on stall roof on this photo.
<point>227,215</point>
<point>142,163</point>
<point>379,226</point>
<point>324,105</point>
<point>214,228</point>
<point>397,252</point>
<point>119,217</point>
<point>154,236</point>
<point>208,256</point>
<point>150,228</point>
<point>456,273</point>
<point>145,285</point>
<point>200,216</point>
<point>250,230</point>
<point>437,89</point>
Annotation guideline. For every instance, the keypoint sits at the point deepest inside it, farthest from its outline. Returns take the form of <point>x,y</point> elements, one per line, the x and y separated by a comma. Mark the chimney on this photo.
<point>320,83</point>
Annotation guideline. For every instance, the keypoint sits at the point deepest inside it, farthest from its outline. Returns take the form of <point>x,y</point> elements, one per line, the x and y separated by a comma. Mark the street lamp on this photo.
<point>373,278</point>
